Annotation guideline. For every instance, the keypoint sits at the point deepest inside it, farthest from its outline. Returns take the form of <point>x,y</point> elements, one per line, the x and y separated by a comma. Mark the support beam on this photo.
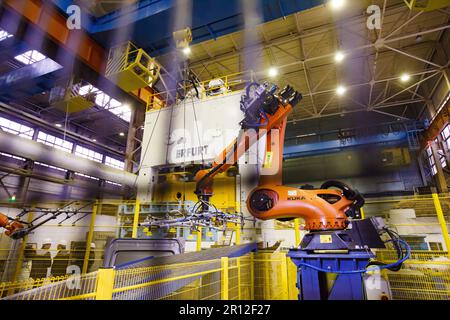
<point>19,77</point>
<point>49,22</point>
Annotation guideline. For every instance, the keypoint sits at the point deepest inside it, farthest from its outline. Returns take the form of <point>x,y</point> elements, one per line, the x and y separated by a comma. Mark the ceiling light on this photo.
<point>341,90</point>
<point>187,51</point>
<point>122,134</point>
<point>405,77</point>
<point>58,125</point>
<point>337,4</point>
<point>273,72</point>
<point>339,57</point>
<point>94,140</point>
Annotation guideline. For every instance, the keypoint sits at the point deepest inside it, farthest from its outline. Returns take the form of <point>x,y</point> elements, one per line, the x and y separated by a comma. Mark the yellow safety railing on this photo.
<point>429,219</point>
<point>427,5</point>
<point>425,276</point>
<point>10,288</point>
<point>80,286</point>
<point>253,276</point>
<point>131,67</point>
<point>206,89</point>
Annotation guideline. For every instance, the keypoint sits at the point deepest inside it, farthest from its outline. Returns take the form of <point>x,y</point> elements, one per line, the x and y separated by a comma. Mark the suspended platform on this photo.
<point>131,68</point>
<point>69,97</point>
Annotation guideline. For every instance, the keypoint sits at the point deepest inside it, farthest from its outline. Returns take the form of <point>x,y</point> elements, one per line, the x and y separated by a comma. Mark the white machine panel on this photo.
<point>194,136</point>
<point>178,135</point>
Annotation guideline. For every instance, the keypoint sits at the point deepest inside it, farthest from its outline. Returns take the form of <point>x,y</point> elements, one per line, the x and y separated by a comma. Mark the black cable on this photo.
<point>400,253</point>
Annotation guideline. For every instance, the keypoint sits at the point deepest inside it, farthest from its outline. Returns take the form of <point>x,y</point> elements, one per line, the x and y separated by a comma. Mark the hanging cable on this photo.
<point>146,148</point>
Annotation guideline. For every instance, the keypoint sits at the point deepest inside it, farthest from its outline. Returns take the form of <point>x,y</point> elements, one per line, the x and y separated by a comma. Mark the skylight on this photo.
<point>4,35</point>
<point>54,142</point>
<point>105,101</point>
<point>30,57</point>
<point>16,128</point>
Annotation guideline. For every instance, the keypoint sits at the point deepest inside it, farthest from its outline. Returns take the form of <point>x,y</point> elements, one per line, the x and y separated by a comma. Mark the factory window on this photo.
<point>30,57</point>
<point>431,161</point>
<point>86,176</point>
<point>88,154</point>
<point>113,183</point>
<point>11,156</point>
<point>122,111</point>
<point>55,142</point>
<point>446,136</point>
<point>114,163</point>
<point>16,128</point>
<point>49,166</point>
<point>446,99</point>
<point>4,35</point>
<point>105,101</point>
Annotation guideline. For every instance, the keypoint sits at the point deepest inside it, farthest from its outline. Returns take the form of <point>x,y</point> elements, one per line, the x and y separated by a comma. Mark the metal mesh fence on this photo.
<point>74,287</point>
<point>270,276</point>
<point>425,276</point>
<point>163,282</point>
<point>256,276</point>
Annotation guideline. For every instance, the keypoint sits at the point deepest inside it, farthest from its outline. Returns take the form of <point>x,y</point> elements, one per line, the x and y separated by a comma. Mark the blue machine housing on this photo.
<point>313,284</point>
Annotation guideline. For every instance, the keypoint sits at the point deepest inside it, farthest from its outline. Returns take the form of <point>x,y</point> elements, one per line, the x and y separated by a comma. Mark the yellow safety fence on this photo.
<point>425,276</point>
<point>424,226</point>
<point>206,89</point>
<point>255,276</point>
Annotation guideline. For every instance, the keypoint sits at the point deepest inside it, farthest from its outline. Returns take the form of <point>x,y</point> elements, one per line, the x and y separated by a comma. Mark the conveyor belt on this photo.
<point>204,255</point>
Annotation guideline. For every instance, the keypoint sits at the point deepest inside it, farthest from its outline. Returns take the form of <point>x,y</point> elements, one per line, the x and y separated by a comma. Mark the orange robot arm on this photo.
<point>274,116</point>
<point>322,209</point>
<point>10,225</point>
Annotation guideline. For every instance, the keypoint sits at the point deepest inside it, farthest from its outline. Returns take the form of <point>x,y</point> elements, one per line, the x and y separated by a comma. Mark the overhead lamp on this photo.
<point>94,140</point>
<point>341,90</point>
<point>339,57</point>
<point>12,198</point>
<point>273,72</point>
<point>405,77</point>
<point>337,4</point>
<point>122,134</point>
<point>187,51</point>
<point>58,125</point>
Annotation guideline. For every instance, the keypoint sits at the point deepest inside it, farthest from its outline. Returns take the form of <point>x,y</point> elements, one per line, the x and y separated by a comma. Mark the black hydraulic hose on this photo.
<point>397,247</point>
<point>400,253</point>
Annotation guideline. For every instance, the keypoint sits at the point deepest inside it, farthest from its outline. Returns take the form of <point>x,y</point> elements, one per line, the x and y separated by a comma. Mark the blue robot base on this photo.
<point>314,284</point>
